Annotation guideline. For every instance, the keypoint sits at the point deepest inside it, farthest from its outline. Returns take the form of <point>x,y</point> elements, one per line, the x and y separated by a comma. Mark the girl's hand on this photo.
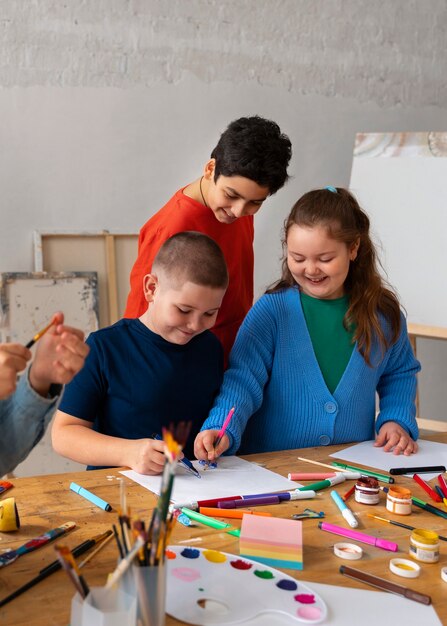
<point>147,456</point>
<point>391,435</point>
<point>204,445</point>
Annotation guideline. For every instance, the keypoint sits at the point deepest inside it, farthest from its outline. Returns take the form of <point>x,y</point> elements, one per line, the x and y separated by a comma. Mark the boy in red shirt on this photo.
<point>248,164</point>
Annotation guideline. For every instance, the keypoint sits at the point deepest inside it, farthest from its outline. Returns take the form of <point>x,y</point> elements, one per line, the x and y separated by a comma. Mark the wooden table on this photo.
<point>45,502</point>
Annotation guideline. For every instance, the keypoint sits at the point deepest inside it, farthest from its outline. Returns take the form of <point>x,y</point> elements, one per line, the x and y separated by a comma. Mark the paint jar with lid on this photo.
<point>367,490</point>
<point>424,545</point>
<point>398,500</point>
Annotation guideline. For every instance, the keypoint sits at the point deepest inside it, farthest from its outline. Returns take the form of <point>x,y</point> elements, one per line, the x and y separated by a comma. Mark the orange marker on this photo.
<point>234,513</point>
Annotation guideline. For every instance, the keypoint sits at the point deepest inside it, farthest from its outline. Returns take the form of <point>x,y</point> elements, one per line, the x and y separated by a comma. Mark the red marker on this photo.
<point>426,487</point>
<point>443,484</point>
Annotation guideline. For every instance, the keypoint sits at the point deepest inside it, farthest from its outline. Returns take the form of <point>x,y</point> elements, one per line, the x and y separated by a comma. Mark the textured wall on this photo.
<point>108,106</point>
<point>390,53</point>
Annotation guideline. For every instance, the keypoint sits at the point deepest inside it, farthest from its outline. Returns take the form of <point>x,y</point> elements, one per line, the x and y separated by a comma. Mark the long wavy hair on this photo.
<point>369,295</point>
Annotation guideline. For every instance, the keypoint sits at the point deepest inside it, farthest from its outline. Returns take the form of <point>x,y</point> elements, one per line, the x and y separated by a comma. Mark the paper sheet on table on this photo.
<point>358,607</point>
<point>232,477</point>
<point>364,453</point>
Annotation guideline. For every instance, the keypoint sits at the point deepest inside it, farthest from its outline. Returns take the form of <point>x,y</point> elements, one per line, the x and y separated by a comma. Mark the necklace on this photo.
<point>201,193</point>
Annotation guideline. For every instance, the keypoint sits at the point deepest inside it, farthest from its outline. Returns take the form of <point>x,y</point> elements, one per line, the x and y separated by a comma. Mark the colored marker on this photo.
<point>235,504</point>
<point>348,494</point>
<point>358,536</point>
<point>88,495</point>
<point>304,476</point>
<point>345,511</point>
<point>429,507</point>
<point>231,513</point>
<point>427,488</point>
<point>183,461</point>
<point>443,484</point>
<point>283,495</point>
<point>427,469</point>
<point>441,494</point>
<point>383,477</point>
<point>323,484</point>
<point>210,521</point>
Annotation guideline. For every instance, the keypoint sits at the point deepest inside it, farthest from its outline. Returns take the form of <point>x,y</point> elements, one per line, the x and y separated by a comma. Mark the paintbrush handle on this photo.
<point>37,542</point>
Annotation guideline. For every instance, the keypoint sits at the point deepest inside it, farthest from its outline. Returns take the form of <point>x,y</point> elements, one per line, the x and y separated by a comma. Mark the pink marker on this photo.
<point>357,536</point>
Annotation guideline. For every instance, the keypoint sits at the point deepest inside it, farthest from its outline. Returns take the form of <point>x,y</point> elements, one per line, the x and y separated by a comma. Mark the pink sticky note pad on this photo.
<point>271,531</point>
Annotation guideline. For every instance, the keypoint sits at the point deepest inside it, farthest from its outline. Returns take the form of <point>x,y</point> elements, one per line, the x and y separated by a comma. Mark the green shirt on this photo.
<point>331,342</point>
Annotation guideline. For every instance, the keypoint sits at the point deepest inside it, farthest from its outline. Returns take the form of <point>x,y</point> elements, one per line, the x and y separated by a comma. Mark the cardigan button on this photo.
<point>324,440</point>
<point>330,407</point>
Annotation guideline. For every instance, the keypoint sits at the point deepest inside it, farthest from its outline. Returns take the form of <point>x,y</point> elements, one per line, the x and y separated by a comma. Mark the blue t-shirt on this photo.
<point>134,382</point>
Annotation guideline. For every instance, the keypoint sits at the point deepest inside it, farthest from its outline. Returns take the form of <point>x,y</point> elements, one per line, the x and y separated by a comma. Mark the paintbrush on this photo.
<point>38,335</point>
<point>68,563</point>
<point>390,521</point>
<point>9,557</point>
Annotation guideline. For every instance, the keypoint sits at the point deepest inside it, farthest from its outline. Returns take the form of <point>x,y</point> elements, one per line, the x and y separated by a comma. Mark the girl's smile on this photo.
<point>318,263</point>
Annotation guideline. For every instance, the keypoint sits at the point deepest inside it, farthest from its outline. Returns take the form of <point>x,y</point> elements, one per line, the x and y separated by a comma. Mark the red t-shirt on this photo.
<point>182,213</point>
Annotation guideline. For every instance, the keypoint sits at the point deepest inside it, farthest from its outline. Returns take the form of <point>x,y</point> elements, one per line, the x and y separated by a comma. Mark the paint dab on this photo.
<point>170,554</point>
<point>309,612</point>
<point>186,574</point>
<point>239,564</point>
<point>305,598</point>
<point>190,553</point>
<point>266,575</point>
<point>214,556</point>
<point>288,585</point>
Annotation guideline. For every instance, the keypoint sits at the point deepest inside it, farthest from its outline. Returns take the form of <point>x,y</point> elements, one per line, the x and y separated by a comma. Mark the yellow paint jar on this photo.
<point>424,545</point>
<point>9,516</point>
<point>398,500</point>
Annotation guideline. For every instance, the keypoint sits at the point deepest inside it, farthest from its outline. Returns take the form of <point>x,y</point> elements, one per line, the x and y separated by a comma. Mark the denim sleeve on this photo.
<point>24,417</point>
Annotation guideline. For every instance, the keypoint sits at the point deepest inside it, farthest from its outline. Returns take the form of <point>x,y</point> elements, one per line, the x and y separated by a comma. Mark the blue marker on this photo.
<point>184,461</point>
<point>345,510</point>
<point>88,495</point>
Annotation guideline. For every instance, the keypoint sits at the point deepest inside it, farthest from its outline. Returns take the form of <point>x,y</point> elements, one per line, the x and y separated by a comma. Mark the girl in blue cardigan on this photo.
<point>314,351</point>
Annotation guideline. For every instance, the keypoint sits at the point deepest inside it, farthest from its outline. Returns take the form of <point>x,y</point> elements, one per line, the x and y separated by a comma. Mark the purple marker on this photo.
<point>283,495</point>
<point>234,504</point>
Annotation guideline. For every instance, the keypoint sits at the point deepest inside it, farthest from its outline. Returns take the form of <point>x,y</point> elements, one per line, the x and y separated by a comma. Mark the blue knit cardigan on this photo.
<point>281,399</point>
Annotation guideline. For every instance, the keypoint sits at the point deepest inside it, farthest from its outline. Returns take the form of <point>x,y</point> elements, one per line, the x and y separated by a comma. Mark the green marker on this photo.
<point>322,484</point>
<point>383,477</point>
<point>210,521</point>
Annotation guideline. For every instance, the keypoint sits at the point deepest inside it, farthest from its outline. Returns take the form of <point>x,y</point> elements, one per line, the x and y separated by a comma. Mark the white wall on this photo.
<point>108,106</point>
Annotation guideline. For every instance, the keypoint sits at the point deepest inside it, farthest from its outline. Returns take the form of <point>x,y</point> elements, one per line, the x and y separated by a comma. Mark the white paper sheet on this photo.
<point>364,453</point>
<point>232,477</point>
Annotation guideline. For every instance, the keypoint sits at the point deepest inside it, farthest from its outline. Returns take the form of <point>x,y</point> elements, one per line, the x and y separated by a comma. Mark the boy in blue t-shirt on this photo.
<point>142,374</point>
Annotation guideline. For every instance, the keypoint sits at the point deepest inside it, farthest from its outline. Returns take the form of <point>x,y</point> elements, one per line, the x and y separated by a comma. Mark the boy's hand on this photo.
<point>204,445</point>
<point>13,359</point>
<point>391,435</point>
<point>60,355</point>
<point>148,456</point>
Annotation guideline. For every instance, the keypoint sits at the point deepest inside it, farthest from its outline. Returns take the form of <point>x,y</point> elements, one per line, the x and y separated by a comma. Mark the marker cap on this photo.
<point>348,551</point>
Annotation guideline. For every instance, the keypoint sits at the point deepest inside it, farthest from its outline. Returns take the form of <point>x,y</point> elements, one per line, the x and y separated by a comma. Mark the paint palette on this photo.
<point>209,587</point>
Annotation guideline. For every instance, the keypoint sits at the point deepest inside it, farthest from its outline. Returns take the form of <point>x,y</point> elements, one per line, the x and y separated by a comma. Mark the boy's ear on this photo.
<point>150,284</point>
<point>208,171</point>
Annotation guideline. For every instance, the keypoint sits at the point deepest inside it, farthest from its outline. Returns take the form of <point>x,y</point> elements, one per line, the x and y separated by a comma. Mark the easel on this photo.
<point>416,331</point>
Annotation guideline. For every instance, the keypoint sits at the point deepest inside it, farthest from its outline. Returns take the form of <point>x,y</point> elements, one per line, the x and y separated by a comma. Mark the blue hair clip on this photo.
<point>331,188</point>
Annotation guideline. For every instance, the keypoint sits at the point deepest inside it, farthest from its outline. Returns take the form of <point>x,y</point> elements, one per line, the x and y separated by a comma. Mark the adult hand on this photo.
<point>13,359</point>
<point>60,355</point>
<point>394,437</point>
